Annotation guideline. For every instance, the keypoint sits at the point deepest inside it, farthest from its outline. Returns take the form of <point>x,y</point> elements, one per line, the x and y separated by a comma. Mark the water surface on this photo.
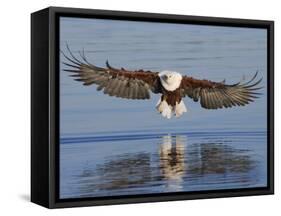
<point>157,163</point>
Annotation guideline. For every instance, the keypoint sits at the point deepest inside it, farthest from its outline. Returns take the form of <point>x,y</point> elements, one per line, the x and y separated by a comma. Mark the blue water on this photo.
<point>155,163</point>
<point>111,146</point>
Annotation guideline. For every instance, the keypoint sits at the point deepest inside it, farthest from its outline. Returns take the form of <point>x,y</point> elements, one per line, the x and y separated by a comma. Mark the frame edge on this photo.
<point>39,108</point>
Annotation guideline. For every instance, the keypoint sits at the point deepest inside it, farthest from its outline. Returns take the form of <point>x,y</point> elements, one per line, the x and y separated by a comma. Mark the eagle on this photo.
<point>173,87</point>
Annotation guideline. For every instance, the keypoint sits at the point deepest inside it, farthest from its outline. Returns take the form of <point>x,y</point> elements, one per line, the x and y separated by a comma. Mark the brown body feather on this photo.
<point>172,97</point>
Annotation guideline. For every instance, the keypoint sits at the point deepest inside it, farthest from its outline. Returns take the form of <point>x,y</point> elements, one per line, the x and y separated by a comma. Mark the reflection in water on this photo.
<point>171,156</point>
<point>118,173</point>
<point>176,166</point>
<point>218,158</point>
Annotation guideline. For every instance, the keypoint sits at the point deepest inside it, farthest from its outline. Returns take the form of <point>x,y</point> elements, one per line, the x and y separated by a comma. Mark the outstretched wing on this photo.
<point>217,95</point>
<point>114,82</point>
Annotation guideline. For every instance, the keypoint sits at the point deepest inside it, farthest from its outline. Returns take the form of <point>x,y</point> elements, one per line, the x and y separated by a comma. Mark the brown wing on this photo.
<point>114,82</point>
<point>216,95</point>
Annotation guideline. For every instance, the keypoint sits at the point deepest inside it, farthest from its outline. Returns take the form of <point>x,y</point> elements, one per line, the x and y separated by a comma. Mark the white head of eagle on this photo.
<point>170,80</point>
<point>173,87</point>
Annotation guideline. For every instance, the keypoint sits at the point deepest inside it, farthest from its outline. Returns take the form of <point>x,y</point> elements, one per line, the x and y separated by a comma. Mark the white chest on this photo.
<point>170,87</point>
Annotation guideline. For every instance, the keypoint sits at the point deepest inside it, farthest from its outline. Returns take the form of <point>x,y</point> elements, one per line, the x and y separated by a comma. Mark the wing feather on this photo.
<point>217,95</point>
<point>114,82</point>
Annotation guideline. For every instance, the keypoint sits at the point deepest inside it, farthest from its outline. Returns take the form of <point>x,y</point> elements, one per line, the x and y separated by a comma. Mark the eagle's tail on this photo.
<point>167,110</point>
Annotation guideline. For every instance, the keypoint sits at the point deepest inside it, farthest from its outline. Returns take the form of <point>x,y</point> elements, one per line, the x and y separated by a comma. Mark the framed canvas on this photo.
<point>139,107</point>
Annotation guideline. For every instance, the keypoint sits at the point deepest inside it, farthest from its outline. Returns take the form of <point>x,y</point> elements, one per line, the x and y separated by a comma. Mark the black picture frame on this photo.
<point>45,106</point>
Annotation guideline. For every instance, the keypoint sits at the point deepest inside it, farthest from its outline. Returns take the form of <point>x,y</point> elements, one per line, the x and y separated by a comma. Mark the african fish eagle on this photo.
<point>137,84</point>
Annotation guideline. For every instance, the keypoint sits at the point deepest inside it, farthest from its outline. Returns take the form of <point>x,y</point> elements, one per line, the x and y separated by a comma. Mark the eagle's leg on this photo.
<point>164,108</point>
<point>180,108</point>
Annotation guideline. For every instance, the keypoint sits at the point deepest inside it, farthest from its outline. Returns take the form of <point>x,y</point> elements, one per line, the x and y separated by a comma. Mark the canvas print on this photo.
<point>154,108</point>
